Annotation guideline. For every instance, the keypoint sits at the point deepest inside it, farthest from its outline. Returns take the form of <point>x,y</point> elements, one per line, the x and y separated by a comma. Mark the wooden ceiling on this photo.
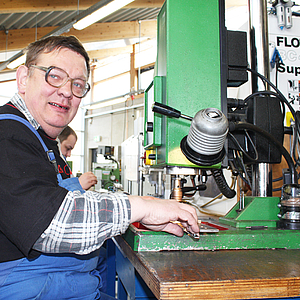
<point>18,39</point>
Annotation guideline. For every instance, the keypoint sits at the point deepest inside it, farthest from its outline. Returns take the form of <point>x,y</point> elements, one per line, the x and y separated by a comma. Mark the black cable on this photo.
<point>271,93</point>
<point>243,167</point>
<point>295,142</point>
<point>222,184</point>
<point>243,178</point>
<point>236,168</point>
<point>277,179</point>
<point>295,116</point>
<point>263,78</point>
<point>268,136</point>
<point>235,141</point>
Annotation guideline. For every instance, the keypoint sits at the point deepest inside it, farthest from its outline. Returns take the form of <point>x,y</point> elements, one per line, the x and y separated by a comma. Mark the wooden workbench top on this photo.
<point>224,274</point>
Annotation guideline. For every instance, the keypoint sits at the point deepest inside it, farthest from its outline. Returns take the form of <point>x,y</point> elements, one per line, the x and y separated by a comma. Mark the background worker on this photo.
<point>50,236</point>
<point>67,140</point>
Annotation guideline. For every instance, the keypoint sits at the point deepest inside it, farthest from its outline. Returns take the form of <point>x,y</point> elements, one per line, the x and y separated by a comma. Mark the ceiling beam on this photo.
<point>19,6</point>
<point>97,54</point>
<point>104,53</point>
<point>19,38</point>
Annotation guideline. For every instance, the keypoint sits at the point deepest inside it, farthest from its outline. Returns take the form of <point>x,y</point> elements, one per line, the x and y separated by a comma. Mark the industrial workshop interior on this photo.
<point>191,100</point>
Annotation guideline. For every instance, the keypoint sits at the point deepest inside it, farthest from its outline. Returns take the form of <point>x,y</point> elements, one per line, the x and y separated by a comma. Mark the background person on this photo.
<point>67,140</point>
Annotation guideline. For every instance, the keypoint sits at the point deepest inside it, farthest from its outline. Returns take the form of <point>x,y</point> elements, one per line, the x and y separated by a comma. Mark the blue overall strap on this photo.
<point>71,184</point>
<point>50,153</point>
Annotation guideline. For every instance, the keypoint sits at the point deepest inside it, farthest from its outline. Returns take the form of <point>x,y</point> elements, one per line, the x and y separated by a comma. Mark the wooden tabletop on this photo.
<point>224,274</point>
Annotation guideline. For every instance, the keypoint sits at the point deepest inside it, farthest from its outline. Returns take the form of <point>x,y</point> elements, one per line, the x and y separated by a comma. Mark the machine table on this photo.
<point>222,274</point>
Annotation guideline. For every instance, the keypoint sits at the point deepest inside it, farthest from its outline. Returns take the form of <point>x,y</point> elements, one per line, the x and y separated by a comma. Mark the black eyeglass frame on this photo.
<point>48,70</point>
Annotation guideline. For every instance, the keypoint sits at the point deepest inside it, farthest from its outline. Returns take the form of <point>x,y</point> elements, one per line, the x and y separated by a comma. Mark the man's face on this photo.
<point>53,108</point>
<point>68,145</point>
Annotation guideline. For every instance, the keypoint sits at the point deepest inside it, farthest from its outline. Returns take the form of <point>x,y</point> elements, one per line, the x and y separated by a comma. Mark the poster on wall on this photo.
<point>285,44</point>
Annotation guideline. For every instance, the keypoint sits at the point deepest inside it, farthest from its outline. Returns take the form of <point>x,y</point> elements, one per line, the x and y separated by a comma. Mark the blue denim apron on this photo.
<point>50,276</point>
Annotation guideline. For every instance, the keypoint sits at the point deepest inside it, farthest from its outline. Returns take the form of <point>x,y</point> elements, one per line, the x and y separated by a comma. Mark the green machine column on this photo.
<point>189,73</point>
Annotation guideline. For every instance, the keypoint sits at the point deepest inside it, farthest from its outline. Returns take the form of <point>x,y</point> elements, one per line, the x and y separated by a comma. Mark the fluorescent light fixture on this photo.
<point>15,63</point>
<point>101,13</point>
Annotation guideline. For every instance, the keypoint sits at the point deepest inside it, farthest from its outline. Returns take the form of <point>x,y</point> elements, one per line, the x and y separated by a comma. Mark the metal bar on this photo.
<point>259,47</point>
<point>113,111</point>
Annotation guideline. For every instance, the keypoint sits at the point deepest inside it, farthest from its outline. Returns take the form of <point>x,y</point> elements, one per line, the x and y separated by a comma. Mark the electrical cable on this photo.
<point>277,179</point>
<point>294,146</point>
<point>285,101</point>
<point>241,162</point>
<point>263,78</point>
<point>236,169</point>
<point>207,212</point>
<point>193,185</point>
<point>267,93</point>
<point>238,164</point>
<point>222,183</point>
<point>241,148</point>
<point>288,158</point>
<point>233,181</point>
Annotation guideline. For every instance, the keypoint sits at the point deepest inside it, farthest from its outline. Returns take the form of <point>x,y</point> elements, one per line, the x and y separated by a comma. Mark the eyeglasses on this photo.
<point>57,77</point>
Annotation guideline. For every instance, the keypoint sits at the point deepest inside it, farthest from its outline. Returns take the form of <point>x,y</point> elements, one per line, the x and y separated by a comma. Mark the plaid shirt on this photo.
<point>83,221</point>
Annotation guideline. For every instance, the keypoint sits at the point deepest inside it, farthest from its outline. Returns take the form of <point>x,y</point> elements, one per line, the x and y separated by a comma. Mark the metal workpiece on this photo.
<point>177,188</point>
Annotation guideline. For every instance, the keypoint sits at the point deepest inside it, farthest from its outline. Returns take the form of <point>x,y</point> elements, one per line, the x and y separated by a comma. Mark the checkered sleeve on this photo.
<point>84,221</point>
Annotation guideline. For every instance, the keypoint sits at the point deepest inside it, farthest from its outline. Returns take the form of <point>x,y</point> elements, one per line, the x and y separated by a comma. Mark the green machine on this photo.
<point>193,69</point>
<point>108,174</point>
<point>189,74</point>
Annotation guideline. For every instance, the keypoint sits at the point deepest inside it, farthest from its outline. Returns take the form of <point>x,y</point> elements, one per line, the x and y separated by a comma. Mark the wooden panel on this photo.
<point>17,6</point>
<point>225,274</point>
<point>19,38</point>
<point>57,5</point>
<point>104,53</point>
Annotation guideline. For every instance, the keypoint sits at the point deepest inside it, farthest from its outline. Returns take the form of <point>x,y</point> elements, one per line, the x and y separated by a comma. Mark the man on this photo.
<point>49,235</point>
<point>66,142</point>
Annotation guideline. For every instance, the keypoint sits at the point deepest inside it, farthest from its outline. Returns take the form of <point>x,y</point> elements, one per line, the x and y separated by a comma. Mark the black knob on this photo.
<point>166,110</point>
<point>149,127</point>
<point>152,156</point>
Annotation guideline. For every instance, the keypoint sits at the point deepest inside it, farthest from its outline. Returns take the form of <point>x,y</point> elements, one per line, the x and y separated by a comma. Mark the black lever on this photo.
<point>168,111</point>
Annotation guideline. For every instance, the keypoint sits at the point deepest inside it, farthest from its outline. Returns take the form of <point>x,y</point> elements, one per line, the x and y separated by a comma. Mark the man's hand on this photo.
<point>160,214</point>
<point>87,180</point>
